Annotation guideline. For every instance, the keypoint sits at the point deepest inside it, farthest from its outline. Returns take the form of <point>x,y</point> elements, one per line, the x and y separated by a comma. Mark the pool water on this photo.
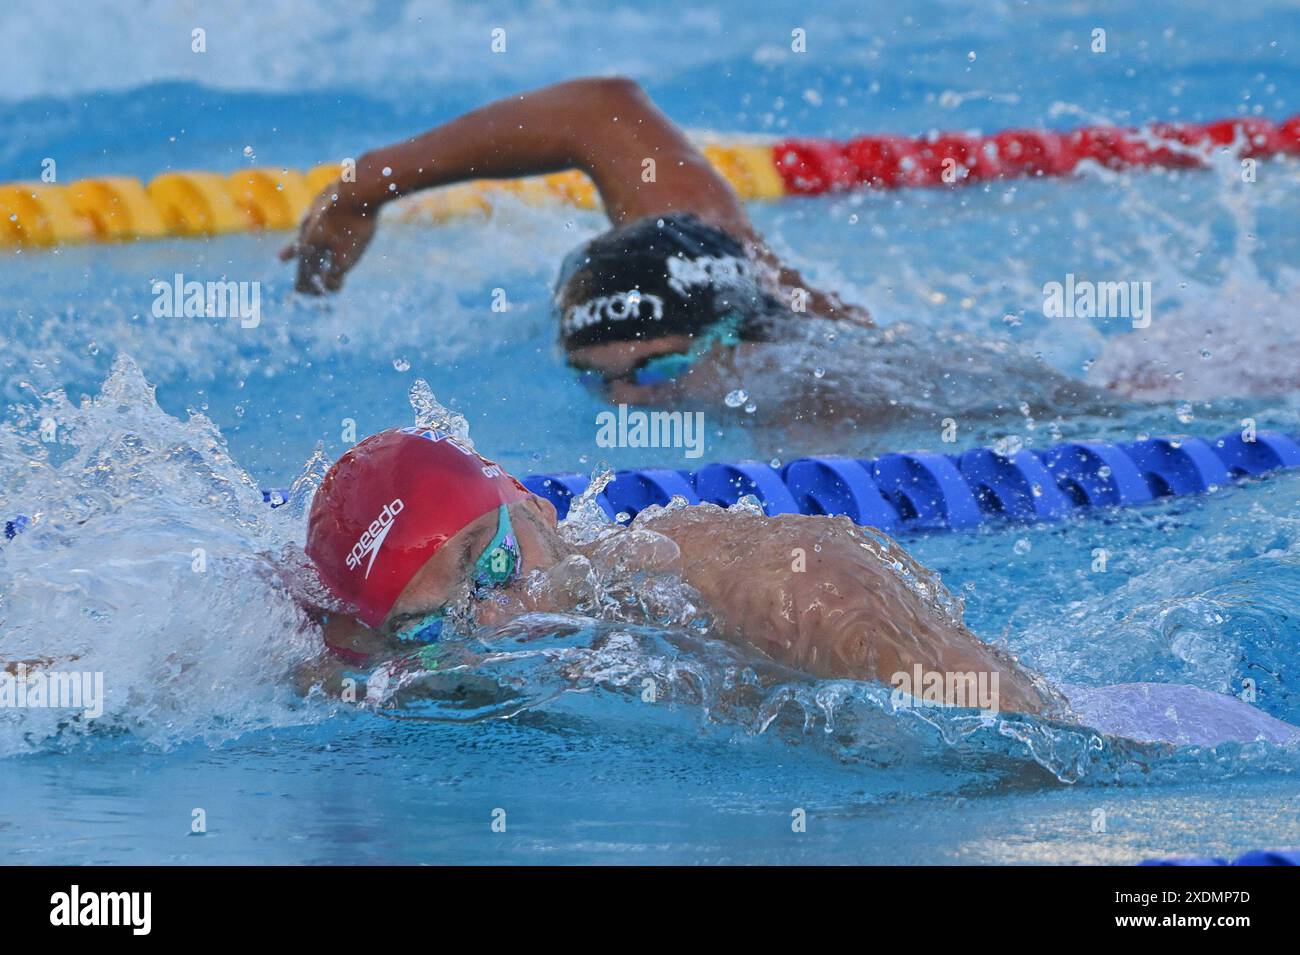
<point>168,427</point>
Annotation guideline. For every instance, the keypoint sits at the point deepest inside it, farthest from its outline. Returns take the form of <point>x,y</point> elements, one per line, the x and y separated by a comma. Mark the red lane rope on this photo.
<point>815,166</point>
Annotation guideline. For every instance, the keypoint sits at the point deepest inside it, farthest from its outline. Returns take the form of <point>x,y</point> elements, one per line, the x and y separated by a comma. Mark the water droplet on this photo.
<point>1104,471</point>
<point>819,372</point>
<point>1206,353</point>
<point>248,150</point>
<point>343,339</point>
<point>1022,546</point>
<point>736,398</point>
<point>970,57</point>
<point>751,408</point>
<point>1184,413</point>
<point>388,171</point>
<point>1008,446</point>
<point>401,364</point>
<point>430,414</point>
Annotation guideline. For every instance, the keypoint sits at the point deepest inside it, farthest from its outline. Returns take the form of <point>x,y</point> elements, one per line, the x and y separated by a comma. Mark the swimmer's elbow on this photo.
<point>612,88</point>
<point>605,96</point>
<point>595,113</point>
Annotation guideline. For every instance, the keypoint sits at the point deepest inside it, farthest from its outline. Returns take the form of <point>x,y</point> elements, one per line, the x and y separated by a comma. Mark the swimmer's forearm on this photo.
<point>549,130</point>
<point>608,128</point>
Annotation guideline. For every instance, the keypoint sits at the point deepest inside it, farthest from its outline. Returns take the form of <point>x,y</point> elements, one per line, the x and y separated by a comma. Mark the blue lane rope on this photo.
<point>1256,857</point>
<point>928,491</point>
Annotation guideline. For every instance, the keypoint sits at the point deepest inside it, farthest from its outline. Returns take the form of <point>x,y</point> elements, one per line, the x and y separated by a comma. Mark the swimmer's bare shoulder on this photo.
<point>813,593</point>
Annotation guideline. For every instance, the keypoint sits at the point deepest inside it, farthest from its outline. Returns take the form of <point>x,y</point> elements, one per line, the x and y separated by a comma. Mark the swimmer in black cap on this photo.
<point>680,283</point>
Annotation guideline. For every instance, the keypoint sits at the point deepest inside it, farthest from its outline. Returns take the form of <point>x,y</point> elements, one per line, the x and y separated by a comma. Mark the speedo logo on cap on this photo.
<point>372,538</point>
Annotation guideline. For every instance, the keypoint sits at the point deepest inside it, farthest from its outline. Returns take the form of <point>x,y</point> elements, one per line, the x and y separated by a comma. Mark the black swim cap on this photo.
<point>662,275</point>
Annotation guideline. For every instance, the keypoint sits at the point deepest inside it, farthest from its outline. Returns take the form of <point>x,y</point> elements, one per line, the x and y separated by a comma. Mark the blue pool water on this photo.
<point>200,712</point>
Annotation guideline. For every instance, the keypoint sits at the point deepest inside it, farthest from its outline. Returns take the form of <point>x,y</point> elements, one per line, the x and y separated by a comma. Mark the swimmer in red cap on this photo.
<point>392,502</point>
<point>416,535</point>
<point>412,525</point>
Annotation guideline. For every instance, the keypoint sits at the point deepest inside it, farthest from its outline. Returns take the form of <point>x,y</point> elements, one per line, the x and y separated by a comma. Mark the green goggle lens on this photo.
<point>495,567</point>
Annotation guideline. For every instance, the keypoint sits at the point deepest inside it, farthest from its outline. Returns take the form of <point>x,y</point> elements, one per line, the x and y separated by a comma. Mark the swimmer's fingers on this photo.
<point>331,279</point>
<point>311,252</point>
<point>330,243</point>
<point>318,271</point>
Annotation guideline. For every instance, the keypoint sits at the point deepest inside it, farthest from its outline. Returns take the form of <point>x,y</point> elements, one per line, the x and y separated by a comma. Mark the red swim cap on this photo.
<point>387,506</point>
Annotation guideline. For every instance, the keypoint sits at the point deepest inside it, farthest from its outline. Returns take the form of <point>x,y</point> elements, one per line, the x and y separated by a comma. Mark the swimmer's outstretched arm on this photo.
<point>606,127</point>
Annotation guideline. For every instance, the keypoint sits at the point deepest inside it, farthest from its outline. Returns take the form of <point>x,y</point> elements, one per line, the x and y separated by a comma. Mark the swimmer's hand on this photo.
<point>333,237</point>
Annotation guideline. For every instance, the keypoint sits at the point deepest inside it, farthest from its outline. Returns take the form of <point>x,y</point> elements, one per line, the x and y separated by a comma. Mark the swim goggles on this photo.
<point>662,369</point>
<point>496,566</point>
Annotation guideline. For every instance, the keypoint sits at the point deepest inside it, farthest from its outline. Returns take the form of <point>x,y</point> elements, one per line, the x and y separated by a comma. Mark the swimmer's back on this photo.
<point>822,595</point>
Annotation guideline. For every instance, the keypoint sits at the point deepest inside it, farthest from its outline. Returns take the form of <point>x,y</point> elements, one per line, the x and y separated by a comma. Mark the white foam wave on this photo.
<point>151,558</point>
